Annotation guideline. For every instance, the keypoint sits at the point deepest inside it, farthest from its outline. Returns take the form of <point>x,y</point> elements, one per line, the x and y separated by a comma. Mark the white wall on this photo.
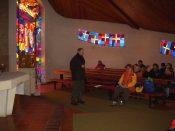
<point>62,43</point>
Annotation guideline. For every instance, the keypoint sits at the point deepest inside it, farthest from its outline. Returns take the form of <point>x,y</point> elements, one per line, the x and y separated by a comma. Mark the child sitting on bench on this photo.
<point>126,85</point>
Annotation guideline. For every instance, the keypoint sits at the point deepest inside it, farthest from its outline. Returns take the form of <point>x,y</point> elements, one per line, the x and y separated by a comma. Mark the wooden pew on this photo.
<point>107,80</point>
<point>103,75</point>
<point>153,97</point>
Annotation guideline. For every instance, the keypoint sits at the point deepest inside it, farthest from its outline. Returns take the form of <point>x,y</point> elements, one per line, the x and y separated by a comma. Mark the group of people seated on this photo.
<point>128,80</point>
<point>132,73</point>
<point>164,72</point>
<point>126,83</point>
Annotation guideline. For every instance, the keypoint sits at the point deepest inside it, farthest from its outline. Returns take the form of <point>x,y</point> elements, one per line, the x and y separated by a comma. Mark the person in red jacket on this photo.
<point>100,65</point>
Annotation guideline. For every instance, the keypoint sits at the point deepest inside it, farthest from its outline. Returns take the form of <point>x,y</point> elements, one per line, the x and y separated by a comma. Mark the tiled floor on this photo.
<point>67,123</point>
<point>33,114</point>
<point>68,119</point>
<point>38,114</point>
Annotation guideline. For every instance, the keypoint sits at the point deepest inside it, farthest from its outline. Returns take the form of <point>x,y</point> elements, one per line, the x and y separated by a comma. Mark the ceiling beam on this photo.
<point>130,21</point>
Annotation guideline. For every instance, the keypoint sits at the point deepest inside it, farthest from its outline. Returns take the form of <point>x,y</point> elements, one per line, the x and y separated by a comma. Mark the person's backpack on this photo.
<point>149,86</point>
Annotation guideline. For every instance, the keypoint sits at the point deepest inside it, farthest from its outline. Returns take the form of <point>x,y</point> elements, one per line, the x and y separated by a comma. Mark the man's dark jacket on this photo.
<point>78,73</point>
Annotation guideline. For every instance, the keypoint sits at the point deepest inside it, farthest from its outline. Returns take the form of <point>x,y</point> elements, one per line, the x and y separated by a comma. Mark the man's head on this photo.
<point>140,62</point>
<point>80,51</point>
<point>99,62</point>
<point>155,66</point>
<point>168,65</point>
<point>163,65</point>
<point>129,68</point>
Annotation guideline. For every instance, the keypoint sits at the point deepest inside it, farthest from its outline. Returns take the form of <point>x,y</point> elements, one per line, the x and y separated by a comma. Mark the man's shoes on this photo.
<point>74,103</point>
<point>81,101</point>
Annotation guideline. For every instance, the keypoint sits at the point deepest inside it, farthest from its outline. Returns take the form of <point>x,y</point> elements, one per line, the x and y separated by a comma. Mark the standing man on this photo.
<point>77,67</point>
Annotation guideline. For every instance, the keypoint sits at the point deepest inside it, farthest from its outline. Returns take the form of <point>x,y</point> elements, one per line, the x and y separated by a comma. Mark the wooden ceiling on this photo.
<point>156,15</point>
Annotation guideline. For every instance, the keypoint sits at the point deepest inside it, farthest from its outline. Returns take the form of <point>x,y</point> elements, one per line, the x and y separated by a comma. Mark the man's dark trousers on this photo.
<point>78,90</point>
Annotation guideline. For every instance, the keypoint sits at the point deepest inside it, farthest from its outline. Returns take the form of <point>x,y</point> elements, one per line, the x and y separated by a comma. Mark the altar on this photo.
<point>9,81</point>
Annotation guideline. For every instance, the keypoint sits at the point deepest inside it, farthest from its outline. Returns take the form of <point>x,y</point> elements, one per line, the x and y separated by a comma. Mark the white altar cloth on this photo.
<point>9,81</point>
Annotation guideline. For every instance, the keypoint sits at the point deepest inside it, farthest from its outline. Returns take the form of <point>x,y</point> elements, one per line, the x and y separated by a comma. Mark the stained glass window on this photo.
<point>103,39</point>
<point>167,47</point>
<point>28,35</point>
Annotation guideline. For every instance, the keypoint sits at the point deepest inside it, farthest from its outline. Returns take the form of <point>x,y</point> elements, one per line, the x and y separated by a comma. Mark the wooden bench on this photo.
<point>107,80</point>
<point>64,78</point>
<point>153,97</point>
<point>103,80</point>
<point>63,82</point>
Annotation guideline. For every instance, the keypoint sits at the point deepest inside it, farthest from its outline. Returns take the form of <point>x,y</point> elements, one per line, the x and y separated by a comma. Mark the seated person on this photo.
<point>100,65</point>
<point>169,70</point>
<point>162,70</point>
<point>137,70</point>
<point>155,72</point>
<point>146,73</point>
<point>168,74</point>
<point>125,85</point>
<point>140,63</point>
<point>143,69</point>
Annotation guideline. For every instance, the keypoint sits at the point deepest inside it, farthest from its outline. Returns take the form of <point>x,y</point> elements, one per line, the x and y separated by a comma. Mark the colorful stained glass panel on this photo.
<point>103,39</point>
<point>167,47</point>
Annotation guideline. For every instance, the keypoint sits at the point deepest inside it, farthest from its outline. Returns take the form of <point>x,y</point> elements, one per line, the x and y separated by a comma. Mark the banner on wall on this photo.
<point>103,39</point>
<point>167,48</point>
